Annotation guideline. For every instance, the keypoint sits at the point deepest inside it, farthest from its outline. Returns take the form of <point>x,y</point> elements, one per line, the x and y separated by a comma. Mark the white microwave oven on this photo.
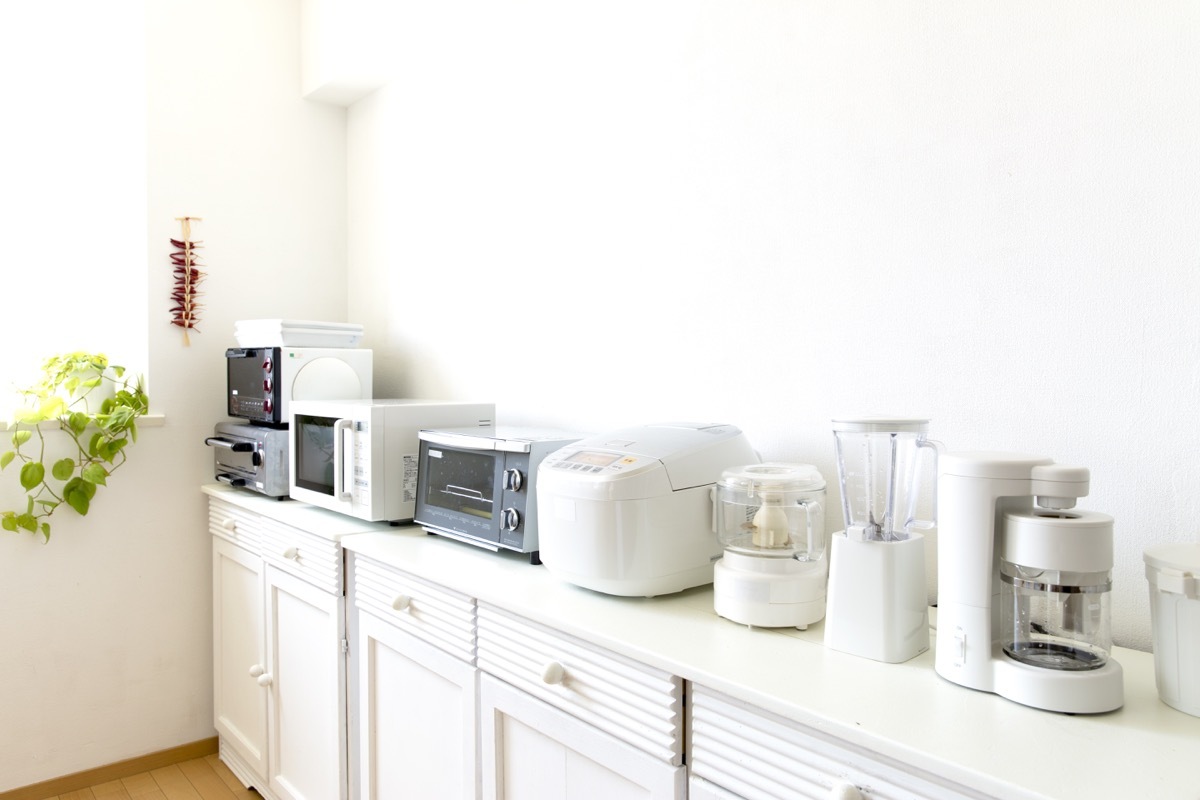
<point>360,457</point>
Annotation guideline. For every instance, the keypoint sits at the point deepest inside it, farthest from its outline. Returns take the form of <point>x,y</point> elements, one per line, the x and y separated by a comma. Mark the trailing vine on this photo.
<point>63,400</point>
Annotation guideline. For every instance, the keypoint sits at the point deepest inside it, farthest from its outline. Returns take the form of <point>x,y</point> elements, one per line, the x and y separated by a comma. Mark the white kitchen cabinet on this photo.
<point>305,684</point>
<point>239,658</point>
<point>279,646</point>
<point>560,718</point>
<point>416,688</point>
<point>740,751</point>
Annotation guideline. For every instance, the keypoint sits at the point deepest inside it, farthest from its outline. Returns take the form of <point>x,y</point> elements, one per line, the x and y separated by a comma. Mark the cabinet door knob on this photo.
<point>229,524</point>
<point>845,791</point>
<point>256,670</point>
<point>264,680</point>
<point>553,673</point>
<point>292,553</point>
<point>402,603</point>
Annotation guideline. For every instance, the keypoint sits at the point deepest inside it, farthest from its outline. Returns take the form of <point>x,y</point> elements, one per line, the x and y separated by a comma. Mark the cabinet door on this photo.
<point>416,716</point>
<point>306,671</point>
<point>533,751</point>
<point>239,702</point>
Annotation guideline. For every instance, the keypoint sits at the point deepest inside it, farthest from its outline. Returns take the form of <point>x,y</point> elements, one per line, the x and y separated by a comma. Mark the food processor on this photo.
<point>1024,583</point>
<point>770,517</point>
<point>878,602</point>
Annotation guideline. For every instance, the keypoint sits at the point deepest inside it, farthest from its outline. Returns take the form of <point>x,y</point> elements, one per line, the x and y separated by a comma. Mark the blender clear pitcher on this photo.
<point>880,465</point>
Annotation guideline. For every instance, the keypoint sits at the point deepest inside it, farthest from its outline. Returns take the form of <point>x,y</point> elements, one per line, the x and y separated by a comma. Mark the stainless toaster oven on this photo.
<point>253,457</point>
<point>478,484</point>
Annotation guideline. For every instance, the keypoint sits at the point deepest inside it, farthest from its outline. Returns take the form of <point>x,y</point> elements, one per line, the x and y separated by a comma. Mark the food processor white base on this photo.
<point>878,605</point>
<point>769,592</point>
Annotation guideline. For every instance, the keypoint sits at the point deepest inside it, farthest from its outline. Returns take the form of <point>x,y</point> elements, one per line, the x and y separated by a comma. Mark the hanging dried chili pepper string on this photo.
<point>185,311</point>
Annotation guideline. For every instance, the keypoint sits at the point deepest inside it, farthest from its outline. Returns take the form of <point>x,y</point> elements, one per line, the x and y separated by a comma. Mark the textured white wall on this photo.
<point>107,630</point>
<point>771,213</point>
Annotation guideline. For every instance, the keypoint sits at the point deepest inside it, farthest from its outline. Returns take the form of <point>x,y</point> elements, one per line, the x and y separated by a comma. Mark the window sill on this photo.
<point>144,421</point>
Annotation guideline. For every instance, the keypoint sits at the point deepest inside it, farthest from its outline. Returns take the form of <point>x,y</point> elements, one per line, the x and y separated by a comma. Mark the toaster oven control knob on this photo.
<point>513,480</point>
<point>510,518</point>
<point>268,384</point>
<point>268,366</point>
<point>268,406</point>
<point>256,458</point>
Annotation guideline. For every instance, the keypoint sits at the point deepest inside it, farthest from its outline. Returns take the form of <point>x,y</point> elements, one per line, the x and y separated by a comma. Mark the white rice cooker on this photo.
<point>630,512</point>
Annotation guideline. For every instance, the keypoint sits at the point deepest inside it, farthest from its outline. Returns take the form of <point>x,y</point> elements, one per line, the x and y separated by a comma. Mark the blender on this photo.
<point>1024,583</point>
<point>770,518</point>
<point>878,602</point>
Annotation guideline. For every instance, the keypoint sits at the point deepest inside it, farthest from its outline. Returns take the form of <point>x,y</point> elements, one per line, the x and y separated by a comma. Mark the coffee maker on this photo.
<point>1024,583</point>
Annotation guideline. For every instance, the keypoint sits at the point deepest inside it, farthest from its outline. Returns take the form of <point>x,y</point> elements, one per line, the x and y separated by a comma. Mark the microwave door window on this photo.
<point>314,453</point>
<point>462,483</point>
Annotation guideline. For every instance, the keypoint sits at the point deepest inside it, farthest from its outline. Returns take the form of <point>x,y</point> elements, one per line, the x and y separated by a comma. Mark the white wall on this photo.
<point>107,629</point>
<point>770,213</point>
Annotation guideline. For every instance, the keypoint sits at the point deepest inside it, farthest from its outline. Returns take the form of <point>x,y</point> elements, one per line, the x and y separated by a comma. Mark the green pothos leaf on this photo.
<point>63,469</point>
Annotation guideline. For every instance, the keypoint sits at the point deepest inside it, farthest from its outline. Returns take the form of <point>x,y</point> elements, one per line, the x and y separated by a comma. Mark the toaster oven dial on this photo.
<point>510,519</point>
<point>268,366</point>
<point>267,405</point>
<point>267,385</point>
<point>513,480</point>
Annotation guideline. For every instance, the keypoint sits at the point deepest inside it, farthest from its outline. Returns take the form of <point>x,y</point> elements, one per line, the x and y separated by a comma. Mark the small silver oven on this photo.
<point>478,485</point>
<point>253,457</point>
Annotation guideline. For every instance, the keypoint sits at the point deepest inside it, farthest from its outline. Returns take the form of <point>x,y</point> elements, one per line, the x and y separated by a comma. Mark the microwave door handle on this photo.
<point>339,459</point>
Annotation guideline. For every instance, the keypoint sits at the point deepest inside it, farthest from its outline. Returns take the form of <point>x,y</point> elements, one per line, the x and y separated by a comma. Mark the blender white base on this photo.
<point>769,592</point>
<point>878,604</point>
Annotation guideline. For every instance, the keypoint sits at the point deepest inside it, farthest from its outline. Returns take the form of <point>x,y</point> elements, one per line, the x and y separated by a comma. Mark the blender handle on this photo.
<point>910,518</point>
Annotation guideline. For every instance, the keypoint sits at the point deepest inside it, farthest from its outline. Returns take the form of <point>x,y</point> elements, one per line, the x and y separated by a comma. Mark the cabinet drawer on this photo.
<point>436,615</point>
<point>637,704</point>
<point>307,556</point>
<point>757,755</point>
<point>233,524</point>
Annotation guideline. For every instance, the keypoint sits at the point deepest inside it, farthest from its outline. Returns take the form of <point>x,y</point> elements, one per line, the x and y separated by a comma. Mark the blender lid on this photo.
<point>880,425</point>
<point>773,476</point>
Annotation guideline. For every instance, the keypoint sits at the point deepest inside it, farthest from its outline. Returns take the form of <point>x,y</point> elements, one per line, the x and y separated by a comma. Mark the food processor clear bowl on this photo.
<point>1055,619</point>
<point>772,510</point>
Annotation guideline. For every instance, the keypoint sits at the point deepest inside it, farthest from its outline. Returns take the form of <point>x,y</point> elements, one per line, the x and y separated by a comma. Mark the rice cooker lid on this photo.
<point>1174,567</point>
<point>674,450</point>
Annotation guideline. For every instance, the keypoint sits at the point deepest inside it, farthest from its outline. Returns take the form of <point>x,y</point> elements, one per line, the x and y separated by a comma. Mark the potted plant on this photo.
<point>96,406</point>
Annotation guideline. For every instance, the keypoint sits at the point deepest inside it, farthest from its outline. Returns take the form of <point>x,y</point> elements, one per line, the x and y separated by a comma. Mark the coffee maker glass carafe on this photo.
<point>1055,585</point>
<point>880,466</point>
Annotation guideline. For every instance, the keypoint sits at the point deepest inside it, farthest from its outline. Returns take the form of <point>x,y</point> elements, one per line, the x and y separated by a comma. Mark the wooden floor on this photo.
<point>199,779</point>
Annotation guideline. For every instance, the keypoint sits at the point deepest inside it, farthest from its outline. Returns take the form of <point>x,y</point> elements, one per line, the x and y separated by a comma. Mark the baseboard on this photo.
<point>113,772</point>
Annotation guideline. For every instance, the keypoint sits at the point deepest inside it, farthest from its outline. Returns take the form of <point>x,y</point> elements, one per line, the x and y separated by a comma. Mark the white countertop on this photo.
<point>904,712</point>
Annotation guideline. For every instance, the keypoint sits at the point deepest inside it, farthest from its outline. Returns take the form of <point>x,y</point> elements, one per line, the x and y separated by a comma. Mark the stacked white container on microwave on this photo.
<point>296,333</point>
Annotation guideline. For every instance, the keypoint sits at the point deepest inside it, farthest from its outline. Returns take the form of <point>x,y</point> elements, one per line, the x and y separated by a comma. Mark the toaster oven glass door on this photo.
<point>460,490</point>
